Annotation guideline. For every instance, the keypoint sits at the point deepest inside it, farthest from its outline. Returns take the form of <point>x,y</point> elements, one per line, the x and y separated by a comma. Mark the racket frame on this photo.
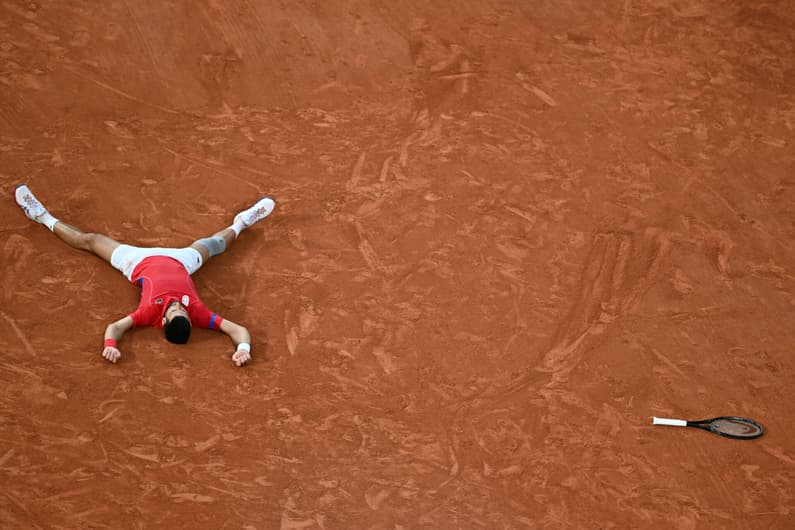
<point>706,425</point>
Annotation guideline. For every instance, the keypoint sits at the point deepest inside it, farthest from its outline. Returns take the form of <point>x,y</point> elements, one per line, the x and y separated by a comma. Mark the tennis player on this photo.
<point>169,299</point>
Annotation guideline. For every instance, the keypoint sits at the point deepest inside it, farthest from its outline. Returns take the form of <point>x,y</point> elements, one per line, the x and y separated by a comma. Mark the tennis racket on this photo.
<point>729,426</point>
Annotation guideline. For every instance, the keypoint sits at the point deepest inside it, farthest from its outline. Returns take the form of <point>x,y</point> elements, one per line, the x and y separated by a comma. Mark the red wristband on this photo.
<point>111,342</point>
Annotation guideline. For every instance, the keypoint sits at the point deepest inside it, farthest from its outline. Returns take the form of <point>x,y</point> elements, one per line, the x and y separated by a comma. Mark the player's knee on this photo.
<point>93,242</point>
<point>87,241</point>
<point>214,245</point>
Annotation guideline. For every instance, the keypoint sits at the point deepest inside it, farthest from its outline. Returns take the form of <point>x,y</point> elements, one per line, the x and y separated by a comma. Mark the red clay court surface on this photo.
<point>508,234</point>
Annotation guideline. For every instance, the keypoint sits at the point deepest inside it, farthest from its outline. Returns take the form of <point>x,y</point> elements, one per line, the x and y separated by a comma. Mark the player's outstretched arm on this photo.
<point>113,334</point>
<point>242,340</point>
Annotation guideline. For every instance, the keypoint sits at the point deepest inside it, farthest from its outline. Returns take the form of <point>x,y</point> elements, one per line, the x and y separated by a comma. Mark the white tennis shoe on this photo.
<point>256,213</point>
<point>29,203</point>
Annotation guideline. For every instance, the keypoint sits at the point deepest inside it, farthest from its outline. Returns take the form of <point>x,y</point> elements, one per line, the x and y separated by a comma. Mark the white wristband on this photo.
<point>244,346</point>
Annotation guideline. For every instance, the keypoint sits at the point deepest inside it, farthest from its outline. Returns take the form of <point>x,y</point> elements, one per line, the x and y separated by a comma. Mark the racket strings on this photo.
<point>738,427</point>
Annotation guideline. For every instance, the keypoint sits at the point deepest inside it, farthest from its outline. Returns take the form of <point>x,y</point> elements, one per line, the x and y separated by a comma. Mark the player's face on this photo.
<point>175,310</point>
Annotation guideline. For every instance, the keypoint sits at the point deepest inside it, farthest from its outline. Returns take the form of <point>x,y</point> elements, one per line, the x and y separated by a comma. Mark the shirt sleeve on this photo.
<point>145,316</point>
<point>202,317</point>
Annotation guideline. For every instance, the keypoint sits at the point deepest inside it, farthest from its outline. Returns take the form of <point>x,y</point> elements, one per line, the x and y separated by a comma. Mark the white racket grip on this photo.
<point>668,421</point>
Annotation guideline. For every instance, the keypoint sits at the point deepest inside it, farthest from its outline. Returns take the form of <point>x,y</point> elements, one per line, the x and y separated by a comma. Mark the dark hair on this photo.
<point>177,330</point>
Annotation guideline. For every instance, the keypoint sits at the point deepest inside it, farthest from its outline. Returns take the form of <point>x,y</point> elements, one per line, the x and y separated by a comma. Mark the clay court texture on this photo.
<point>508,233</point>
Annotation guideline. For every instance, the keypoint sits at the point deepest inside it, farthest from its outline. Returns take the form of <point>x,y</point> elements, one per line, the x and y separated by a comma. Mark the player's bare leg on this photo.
<point>99,244</point>
<point>220,241</point>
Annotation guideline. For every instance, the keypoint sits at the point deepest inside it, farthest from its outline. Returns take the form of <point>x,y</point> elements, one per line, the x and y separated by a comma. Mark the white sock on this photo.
<point>237,227</point>
<point>47,220</point>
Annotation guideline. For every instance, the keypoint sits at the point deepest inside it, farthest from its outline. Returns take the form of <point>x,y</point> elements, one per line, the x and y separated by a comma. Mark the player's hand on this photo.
<point>112,354</point>
<point>241,357</point>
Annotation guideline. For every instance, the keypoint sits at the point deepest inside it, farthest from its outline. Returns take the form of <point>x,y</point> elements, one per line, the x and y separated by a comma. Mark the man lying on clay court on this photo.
<point>168,296</point>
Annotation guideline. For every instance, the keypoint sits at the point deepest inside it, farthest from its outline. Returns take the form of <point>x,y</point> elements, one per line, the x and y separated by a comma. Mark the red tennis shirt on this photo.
<point>162,281</point>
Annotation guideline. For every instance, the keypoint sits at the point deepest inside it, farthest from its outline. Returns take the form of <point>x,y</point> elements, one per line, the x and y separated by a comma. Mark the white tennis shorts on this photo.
<point>126,257</point>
